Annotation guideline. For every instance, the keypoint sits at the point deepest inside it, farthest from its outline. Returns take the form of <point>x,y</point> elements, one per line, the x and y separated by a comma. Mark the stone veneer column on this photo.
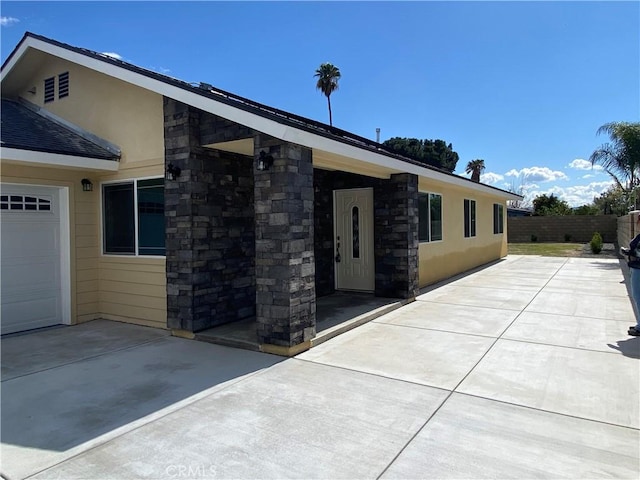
<point>209,224</point>
<point>396,236</point>
<point>285,266</point>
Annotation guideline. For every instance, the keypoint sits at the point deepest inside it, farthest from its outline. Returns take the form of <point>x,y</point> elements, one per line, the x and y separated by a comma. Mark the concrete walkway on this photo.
<point>522,369</point>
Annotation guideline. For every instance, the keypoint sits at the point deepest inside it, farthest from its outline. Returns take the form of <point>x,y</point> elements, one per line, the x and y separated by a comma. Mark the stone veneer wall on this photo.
<point>209,217</point>
<point>325,182</point>
<point>285,267</point>
<point>396,236</point>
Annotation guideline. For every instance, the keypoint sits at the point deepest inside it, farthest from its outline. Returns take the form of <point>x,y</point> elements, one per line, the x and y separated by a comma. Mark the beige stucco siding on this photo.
<point>125,288</point>
<point>126,115</point>
<point>455,253</point>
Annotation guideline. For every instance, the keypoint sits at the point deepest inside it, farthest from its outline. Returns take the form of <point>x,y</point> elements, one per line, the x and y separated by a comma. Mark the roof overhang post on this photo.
<point>396,236</point>
<point>285,264</point>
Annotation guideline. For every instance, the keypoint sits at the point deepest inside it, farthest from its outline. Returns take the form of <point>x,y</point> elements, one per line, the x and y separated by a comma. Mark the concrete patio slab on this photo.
<point>490,322</point>
<point>477,438</point>
<point>561,380</point>
<point>67,344</point>
<point>502,281</point>
<point>552,396</point>
<point>483,296</point>
<point>593,306</point>
<point>52,414</point>
<point>571,331</point>
<point>307,421</point>
<point>576,286</point>
<point>428,357</point>
<point>602,269</point>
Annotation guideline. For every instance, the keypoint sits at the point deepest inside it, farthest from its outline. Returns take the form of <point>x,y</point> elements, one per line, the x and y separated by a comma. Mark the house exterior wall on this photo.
<point>116,287</point>
<point>454,253</point>
<point>129,116</point>
<point>325,182</point>
<point>209,217</point>
<point>83,233</point>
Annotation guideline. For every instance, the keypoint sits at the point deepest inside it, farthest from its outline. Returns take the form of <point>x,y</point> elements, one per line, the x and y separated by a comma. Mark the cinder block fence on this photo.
<point>580,228</point>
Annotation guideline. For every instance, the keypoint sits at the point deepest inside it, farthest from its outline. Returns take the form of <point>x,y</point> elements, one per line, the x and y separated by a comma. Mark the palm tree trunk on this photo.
<point>329,103</point>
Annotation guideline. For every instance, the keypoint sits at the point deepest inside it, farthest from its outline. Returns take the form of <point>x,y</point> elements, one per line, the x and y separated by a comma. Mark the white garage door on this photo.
<point>30,260</point>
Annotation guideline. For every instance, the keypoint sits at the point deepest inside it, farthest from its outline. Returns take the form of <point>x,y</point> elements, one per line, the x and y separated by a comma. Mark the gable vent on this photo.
<point>63,85</point>
<point>49,89</point>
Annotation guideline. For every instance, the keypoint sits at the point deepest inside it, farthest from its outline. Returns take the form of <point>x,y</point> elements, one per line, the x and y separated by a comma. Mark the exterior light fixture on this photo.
<point>172,172</point>
<point>87,186</point>
<point>264,161</point>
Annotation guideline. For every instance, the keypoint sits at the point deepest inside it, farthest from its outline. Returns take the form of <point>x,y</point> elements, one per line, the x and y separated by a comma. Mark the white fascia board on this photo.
<point>57,160</point>
<point>257,122</point>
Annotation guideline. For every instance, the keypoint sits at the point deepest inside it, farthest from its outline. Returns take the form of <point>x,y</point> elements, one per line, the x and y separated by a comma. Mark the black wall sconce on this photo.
<point>264,161</point>
<point>172,172</point>
<point>87,186</point>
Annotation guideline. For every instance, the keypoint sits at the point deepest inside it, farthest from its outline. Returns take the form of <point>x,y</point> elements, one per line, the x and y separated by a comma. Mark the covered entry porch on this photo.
<point>336,313</point>
<point>251,230</point>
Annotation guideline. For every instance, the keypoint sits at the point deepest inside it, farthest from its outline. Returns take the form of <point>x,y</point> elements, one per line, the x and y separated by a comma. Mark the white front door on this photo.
<point>354,255</point>
<point>30,257</point>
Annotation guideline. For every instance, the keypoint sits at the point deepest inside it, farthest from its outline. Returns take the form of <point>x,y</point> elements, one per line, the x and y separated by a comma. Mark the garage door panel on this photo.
<point>27,239</point>
<point>31,281</point>
<point>16,281</point>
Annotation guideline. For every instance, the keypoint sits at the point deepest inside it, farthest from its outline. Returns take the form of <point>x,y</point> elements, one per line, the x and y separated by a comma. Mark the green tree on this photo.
<point>550,205</point>
<point>586,210</point>
<point>615,201</point>
<point>328,76</point>
<point>475,168</point>
<point>620,157</point>
<point>435,153</point>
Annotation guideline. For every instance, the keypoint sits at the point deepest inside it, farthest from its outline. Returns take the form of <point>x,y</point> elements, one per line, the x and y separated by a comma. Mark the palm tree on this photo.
<point>620,158</point>
<point>475,168</point>
<point>328,76</point>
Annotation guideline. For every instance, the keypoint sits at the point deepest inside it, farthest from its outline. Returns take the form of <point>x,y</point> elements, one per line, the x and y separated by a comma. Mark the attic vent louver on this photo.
<point>63,85</point>
<point>49,89</point>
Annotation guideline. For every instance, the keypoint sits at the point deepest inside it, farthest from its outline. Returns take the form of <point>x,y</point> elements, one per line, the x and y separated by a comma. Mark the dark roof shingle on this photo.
<point>25,129</point>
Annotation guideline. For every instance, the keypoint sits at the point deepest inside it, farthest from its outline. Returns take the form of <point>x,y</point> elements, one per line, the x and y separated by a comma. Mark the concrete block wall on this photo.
<point>627,228</point>
<point>554,228</point>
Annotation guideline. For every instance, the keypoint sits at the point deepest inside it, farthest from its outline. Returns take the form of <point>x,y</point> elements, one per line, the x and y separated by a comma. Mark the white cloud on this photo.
<point>491,178</point>
<point>8,21</point>
<point>537,174</point>
<point>582,164</point>
<point>588,175</point>
<point>576,195</point>
<point>112,55</point>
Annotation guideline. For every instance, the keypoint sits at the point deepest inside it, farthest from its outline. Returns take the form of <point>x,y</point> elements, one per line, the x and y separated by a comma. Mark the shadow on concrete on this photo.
<point>61,400</point>
<point>629,348</point>
<point>332,311</point>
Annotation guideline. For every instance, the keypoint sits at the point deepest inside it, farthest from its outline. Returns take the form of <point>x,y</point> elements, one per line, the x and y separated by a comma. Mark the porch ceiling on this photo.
<point>333,161</point>
<point>243,146</point>
<point>321,159</point>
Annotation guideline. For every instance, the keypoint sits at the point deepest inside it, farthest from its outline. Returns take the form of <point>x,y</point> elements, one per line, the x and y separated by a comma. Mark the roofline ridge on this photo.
<point>293,120</point>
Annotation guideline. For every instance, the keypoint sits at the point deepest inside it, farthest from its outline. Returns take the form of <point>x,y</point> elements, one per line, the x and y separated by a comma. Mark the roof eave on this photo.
<point>215,103</point>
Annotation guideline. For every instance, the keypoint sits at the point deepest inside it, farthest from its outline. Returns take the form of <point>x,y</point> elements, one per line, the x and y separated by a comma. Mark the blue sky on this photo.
<point>522,85</point>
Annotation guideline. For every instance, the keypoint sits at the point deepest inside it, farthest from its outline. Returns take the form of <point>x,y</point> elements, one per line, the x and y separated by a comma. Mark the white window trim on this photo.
<point>475,203</point>
<point>135,181</point>
<point>503,222</point>
<point>441,212</point>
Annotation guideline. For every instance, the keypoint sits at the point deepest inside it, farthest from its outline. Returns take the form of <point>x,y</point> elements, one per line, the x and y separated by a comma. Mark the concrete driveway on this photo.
<point>522,369</point>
